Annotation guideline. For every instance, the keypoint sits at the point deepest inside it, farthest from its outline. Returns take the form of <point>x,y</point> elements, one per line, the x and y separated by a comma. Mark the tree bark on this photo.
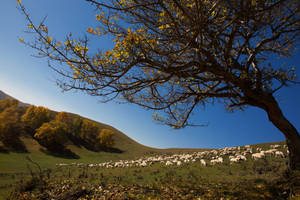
<point>290,132</point>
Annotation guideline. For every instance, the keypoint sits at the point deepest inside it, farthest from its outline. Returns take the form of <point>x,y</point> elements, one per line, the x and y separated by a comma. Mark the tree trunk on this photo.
<point>291,134</point>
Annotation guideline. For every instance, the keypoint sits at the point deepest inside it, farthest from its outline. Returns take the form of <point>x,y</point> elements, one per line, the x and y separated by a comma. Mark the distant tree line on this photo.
<point>52,130</point>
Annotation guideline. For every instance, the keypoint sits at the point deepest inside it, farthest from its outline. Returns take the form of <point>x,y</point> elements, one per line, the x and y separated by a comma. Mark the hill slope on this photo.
<point>6,96</point>
<point>122,142</point>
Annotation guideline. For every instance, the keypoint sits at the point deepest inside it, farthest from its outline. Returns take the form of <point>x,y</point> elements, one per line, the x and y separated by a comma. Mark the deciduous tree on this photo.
<point>66,119</point>
<point>173,56</point>
<point>106,139</point>
<point>10,127</point>
<point>34,117</point>
<point>6,103</point>
<point>89,131</point>
<point>76,125</point>
<point>52,135</point>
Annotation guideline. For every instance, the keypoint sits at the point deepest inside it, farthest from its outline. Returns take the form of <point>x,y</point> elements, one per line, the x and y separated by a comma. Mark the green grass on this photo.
<point>15,167</point>
<point>262,179</point>
<point>235,181</point>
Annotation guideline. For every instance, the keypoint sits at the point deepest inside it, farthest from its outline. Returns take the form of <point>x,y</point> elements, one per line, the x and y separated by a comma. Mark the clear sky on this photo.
<point>30,80</point>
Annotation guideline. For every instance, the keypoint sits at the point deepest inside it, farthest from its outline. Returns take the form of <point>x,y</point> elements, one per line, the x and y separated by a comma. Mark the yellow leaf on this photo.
<point>58,44</point>
<point>21,40</point>
<point>162,13</point>
<point>30,25</point>
<point>49,39</point>
<point>90,30</point>
<point>190,5</point>
<point>45,29</point>
<point>161,27</point>
<point>99,17</point>
<point>18,2</point>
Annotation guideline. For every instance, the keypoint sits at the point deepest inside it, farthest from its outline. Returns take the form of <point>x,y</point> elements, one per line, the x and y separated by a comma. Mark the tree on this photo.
<point>76,126</point>
<point>10,127</point>
<point>52,135</point>
<point>34,117</point>
<point>89,131</point>
<point>66,119</point>
<point>106,138</point>
<point>176,55</point>
<point>6,103</point>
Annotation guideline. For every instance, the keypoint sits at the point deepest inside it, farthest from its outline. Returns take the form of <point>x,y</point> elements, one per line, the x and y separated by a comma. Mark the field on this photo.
<point>250,179</point>
<point>15,166</point>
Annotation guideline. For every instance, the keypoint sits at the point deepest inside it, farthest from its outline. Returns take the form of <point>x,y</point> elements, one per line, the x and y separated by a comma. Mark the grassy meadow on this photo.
<point>251,179</point>
<point>14,166</point>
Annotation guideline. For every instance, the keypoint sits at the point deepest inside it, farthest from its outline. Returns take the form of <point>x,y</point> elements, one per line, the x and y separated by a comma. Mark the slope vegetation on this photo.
<point>125,148</point>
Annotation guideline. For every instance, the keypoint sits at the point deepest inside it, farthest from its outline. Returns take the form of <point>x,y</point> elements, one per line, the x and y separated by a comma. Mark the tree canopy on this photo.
<point>10,125</point>
<point>89,130</point>
<point>173,56</point>
<point>34,117</point>
<point>106,139</point>
<point>66,119</point>
<point>53,135</point>
<point>6,103</point>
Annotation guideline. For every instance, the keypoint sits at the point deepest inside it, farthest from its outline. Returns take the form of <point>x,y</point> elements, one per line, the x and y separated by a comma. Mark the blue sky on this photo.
<point>30,80</point>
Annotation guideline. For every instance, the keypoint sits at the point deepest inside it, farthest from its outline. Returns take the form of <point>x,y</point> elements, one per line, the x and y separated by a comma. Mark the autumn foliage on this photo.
<point>89,130</point>
<point>51,130</point>
<point>106,139</point>
<point>10,125</point>
<point>6,103</point>
<point>65,118</point>
<point>53,135</point>
<point>34,117</point>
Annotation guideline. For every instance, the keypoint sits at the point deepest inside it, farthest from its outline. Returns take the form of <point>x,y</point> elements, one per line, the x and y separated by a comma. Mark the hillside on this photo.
<point>126,146</point>
<point>6,96</point>
<point>122,142</point>
<point>15,164</point>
